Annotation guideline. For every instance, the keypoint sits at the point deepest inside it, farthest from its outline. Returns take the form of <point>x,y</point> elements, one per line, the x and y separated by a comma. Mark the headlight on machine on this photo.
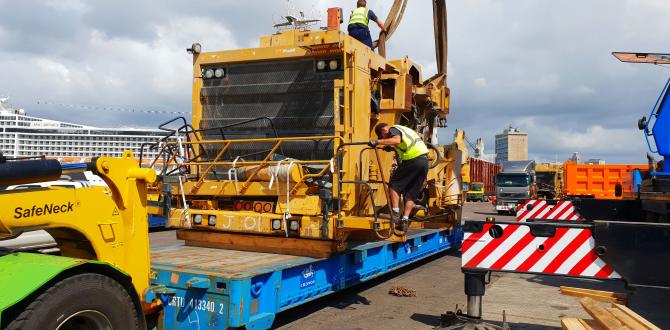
<point>209,73</point>
<point>276,224</point>
<point>219,73</point>
<point>197,219</point>
<point>211,220</point>
<point>293,225</point>
<point>333,65</point>
<point>321,65</point>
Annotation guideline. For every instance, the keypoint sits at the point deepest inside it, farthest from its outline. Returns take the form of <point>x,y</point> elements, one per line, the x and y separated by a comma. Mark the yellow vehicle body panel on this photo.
<point>107,224</point>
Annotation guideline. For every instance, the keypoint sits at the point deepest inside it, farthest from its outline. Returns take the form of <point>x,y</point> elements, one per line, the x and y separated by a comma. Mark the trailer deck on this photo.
<point>220,289</point>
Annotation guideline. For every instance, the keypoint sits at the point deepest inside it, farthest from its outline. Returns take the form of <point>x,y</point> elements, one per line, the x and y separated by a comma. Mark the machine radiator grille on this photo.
<point>293,98</point>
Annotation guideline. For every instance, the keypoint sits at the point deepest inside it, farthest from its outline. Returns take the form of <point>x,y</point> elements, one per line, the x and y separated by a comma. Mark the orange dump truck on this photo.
<point>598,181</point>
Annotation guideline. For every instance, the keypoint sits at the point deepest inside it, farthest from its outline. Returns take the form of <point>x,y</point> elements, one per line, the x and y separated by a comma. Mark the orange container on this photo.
<point>596,180</point>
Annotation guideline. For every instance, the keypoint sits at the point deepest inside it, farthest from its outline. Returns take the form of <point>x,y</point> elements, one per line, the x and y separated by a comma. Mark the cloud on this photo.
<point>508,61</point>
<point>480,82</point>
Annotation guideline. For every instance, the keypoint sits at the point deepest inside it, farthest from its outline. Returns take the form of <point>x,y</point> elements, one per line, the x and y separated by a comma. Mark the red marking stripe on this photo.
<point>581,266</point>
<point>582,237</point>
<point>473,238</point>
<point>535,257</point>
<point>491,246</point>
<point>513,251</point>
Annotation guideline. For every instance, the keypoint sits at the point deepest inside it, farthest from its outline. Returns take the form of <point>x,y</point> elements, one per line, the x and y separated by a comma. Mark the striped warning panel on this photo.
<point>548,210</point>
<point>570,251</point>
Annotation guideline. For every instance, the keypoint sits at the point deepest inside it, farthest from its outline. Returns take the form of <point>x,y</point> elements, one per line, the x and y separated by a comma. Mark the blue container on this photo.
<point>156,221</point>
<point>204,288</point>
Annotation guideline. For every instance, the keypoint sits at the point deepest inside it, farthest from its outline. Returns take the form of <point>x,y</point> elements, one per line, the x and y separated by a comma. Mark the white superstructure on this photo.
<point>22,135</point>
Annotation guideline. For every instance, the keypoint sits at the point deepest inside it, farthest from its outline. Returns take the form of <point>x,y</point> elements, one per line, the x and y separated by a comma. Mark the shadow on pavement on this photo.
<point>349,297</point>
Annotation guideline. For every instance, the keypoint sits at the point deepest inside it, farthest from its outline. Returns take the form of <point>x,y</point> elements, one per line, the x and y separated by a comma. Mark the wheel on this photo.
<point>84,301</point>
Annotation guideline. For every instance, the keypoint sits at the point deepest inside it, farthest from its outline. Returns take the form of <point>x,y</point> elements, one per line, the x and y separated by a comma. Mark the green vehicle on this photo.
<point>476,193</point>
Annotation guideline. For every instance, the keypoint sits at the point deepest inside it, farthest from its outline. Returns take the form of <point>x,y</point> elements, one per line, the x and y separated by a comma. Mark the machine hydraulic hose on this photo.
<point>16,172</point>
<point>29,171</point>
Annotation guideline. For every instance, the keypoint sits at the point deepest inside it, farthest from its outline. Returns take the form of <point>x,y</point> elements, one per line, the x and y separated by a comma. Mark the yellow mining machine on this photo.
<point>549,178</point>
<point>277,159</point>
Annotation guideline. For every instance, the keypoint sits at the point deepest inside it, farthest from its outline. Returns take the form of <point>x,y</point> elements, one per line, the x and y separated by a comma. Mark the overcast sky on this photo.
<point>542,66</point>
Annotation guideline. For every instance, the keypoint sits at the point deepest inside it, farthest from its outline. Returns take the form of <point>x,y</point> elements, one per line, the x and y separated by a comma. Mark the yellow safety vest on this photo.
<point>412,145</point>
<point>359,16</point>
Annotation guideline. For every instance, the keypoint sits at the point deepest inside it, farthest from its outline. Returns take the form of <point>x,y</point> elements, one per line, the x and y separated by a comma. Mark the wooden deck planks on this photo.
<point>611,318</point>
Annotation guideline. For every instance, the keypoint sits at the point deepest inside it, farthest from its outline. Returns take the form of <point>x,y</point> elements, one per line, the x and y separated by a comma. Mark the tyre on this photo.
<point>84,301</point>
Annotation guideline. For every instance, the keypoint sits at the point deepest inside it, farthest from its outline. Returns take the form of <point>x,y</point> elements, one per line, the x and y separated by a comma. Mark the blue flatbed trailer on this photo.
<point>207,288</point>
<point>156,221</point>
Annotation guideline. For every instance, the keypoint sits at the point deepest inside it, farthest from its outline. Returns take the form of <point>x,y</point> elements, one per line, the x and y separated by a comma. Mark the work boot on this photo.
<point>402,224</point>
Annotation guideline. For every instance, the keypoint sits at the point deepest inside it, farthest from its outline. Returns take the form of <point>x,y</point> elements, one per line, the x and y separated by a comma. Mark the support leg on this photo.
<point>474,289</point>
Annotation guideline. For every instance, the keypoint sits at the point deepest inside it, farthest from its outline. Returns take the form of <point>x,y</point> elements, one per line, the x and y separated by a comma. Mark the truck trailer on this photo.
<point>481,179</point>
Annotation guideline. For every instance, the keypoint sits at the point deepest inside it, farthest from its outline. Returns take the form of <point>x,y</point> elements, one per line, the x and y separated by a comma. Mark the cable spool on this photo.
<point>29,171</point>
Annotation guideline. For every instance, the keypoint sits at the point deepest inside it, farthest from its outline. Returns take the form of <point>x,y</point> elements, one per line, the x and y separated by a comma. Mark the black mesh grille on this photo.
<point>292,94</point>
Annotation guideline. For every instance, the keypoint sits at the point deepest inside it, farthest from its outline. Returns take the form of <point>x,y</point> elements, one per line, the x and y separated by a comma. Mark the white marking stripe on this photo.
<point>509,242</point>
<point>524,254</point>
<point>557,210</point>
<point>478,246</point>
<point>522,209</point>
<point>537,205</point>
<point>542,210</point>
<point>530,213</point>
<point>593,268</point>
<point>546,210</point>
<point>549,256</point>
<point>576,256</point>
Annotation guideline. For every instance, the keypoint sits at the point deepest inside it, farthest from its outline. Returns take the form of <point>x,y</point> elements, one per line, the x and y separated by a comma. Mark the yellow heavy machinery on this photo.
<point>101,276</point>
<point>549,178</point>
<point>277,158</point>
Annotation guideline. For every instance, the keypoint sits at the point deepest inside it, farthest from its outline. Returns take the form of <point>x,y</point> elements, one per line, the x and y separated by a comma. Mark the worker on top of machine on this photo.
<point>359,22</point>
<point>408,179</point>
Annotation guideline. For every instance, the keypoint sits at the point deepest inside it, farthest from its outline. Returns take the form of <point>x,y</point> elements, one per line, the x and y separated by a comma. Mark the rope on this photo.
<point>180,162</point>
<point>233,172</point>
<point>287,213</point>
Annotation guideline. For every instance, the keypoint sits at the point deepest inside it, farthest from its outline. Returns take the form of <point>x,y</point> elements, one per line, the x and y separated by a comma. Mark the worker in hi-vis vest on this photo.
<point>411,173</point>
<point>359,23</point>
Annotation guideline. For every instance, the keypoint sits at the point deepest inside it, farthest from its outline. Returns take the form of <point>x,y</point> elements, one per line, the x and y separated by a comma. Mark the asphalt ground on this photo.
<point>529,301</point>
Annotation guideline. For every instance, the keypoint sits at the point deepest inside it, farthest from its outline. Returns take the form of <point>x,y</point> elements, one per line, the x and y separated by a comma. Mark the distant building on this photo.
<point>576,158</point>
<point>595,161</point>
<point>511,144</point>
<point>25,136</point>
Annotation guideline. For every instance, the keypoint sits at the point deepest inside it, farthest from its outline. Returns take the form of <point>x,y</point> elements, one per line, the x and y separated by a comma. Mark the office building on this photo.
<point>511,144</point>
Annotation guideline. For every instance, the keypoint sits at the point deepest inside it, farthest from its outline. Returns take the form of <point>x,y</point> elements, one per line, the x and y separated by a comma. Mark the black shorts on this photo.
<point>408,178</point>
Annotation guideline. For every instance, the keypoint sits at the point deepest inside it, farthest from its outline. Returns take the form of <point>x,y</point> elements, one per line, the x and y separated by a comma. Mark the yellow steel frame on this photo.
<point>260,164</point>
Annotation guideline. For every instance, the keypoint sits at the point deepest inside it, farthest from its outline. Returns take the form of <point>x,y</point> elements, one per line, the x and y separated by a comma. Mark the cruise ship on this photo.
<point>22,135</point>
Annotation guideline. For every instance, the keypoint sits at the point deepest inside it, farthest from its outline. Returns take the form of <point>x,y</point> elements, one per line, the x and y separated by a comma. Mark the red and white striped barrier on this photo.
<point>552,210</point>
<point>571,251</point>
